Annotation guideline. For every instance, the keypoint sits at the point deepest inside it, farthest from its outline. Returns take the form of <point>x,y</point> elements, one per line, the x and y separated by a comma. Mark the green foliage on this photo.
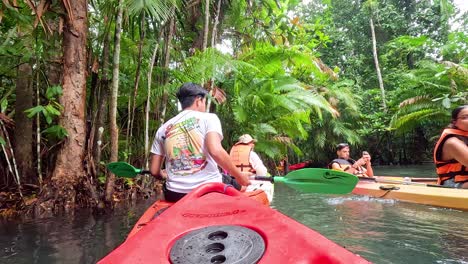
<point>55,132</point>
<point>3,105</point>
<point>50,112</point>
<point>2,141</point>
<point>301,77</point>
<point>456,48</point>
<point>159,10</point>
<point>102,179</point>
<point>432,90</point>
<point>54,92</point>
<point>399,51</point>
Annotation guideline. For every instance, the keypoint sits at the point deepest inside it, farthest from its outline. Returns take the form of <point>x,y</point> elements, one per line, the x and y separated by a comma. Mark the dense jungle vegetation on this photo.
<point>83,83</point>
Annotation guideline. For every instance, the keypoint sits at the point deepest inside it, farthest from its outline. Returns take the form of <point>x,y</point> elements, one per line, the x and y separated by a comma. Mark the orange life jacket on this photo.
<point>452,168</point>
<point>240,156</point>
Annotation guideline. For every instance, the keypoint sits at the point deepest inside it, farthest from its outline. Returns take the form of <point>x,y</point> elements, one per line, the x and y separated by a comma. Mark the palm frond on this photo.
<point>160,10</point>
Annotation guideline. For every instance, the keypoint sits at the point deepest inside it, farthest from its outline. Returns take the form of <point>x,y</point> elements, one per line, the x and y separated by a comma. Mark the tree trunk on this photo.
<point>131,117</point>
<point>377,67</point>
<point>23,129</point>
<point>213,40</point>
<point>148,96</point>
<point>214,32</point>
<point>167,57</point>
<point>207,24</point>
<point>114,130</point>
<point>194,15</point>
<point>102,108</point>
<point>54,77</point>
<point>69,171</point>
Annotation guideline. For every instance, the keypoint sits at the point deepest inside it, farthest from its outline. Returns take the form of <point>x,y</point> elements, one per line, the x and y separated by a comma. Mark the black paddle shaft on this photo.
<point>404,183</point>
<point>264,178</point>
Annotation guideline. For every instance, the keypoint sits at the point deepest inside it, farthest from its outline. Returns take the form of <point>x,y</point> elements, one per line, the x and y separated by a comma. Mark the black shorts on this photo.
<point>173,197</point>
<point>229,180</point>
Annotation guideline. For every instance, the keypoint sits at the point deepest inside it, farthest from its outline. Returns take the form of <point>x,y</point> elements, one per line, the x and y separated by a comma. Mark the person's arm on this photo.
<point>336,166</point>
<point>368,165</point>
<point>216,150</point>
<point>370,171</point>
<point>155,167</point>
<point>455,149</point>
<point>257,164</point>
<point>157,156</point>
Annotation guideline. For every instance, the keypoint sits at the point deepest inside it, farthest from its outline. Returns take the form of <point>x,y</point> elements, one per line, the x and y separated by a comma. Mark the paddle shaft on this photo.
<point>309,180</point>
<point>404,182</point>
<point>263,178</point>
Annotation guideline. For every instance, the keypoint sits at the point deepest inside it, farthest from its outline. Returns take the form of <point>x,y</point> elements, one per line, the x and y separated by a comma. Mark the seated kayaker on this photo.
<point>244,157</point>
<point>451,151</point>
<point>190,144</point>
<point>361,167</point>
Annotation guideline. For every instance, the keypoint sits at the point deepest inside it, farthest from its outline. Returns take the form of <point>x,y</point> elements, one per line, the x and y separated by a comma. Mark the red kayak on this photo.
<point>217,224</point>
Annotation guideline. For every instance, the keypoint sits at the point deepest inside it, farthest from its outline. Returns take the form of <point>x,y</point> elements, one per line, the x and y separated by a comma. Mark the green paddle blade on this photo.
<point>123,169</point>
<point>315,180</point>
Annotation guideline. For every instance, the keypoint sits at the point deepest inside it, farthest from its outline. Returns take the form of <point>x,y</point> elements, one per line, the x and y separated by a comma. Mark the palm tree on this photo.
<point>432,90</point>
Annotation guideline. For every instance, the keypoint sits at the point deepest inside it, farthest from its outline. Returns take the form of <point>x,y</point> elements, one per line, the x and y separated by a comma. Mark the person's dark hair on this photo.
<point>341,146</point>
<point>188,92</point>
<point>455,114</point>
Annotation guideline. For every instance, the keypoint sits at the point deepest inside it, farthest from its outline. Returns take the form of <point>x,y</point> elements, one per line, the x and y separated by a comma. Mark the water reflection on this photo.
<point>81,239</point>
<point>426,170</point>
<point>382,231</point>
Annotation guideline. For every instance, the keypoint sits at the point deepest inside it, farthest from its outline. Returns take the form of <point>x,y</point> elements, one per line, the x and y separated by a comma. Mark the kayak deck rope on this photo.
<point>388,189</point>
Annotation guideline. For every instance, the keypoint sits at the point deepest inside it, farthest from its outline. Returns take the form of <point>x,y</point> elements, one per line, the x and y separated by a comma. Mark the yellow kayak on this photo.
<point>414,190</point>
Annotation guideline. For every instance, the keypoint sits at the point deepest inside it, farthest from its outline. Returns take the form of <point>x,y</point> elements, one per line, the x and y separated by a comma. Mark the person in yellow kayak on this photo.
<point>190,144</point>
<point>244,157</point>
<point>451,151</point>
<point>361,167</point>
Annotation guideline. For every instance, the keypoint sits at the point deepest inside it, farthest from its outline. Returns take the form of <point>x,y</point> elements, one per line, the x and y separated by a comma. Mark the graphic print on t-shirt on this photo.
<point>184,147</point>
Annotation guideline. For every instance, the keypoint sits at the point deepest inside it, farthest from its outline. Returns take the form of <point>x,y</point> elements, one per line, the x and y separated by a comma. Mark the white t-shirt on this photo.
<point>257,164</point>
<point>181,140</point>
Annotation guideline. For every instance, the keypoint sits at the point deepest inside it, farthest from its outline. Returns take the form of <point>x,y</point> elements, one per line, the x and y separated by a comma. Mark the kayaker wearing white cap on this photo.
<point>244,158</point>
<point>451,151</point>
<point>190,144</point>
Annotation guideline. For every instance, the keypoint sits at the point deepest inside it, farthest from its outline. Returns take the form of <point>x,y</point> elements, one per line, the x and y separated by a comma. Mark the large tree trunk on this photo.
<point>23,129</point>
<point>114,130</point>
<point>69,172</point>
<point>377,67</point>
